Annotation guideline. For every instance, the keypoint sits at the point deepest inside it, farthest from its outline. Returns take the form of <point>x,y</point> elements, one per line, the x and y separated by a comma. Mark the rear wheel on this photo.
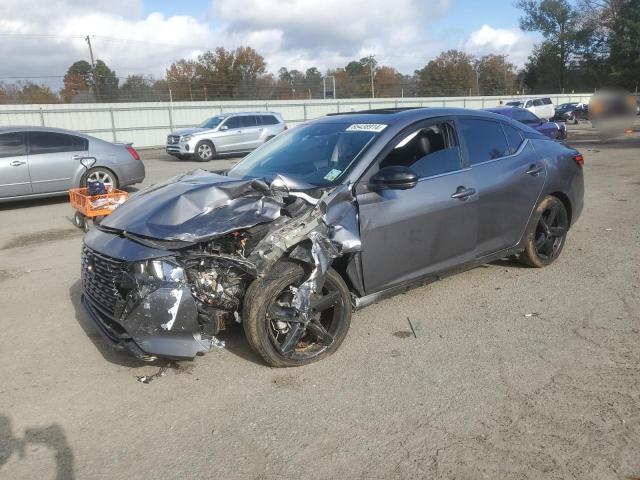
<point>103,175</point>
<point>547,233</point>
<point>205,151</point>
<point>275,331</point>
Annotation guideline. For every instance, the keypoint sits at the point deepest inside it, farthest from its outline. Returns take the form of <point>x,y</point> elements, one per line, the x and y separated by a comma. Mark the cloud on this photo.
<point>292,33</point>
<point>500,41</point>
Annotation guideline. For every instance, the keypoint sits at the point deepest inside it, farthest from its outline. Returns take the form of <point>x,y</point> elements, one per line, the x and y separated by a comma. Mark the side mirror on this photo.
<point>394,178</point>
<point>223,128</point>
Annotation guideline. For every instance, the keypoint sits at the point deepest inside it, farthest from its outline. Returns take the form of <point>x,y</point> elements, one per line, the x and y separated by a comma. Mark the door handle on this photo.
<point>17,163</point>
<point>534,170</point>
<point>462,193</point>
<point>77,157</point>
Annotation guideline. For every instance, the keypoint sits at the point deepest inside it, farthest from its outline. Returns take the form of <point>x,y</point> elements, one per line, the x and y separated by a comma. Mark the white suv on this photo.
<point>225,133</point>
<point>542,107</point>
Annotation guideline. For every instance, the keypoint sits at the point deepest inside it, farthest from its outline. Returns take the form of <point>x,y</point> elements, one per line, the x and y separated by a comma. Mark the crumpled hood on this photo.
<point>196,206</point>
<point>190,131</point>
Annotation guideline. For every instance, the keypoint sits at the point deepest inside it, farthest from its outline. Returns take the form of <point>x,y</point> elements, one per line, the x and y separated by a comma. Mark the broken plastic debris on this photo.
<point>529,315</point>
<point>216,342</point>
<point>149,378</point>
<point>608,229</point>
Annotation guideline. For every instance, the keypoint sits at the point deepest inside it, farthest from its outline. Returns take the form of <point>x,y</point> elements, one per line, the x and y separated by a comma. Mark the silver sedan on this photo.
<point>39,162</point>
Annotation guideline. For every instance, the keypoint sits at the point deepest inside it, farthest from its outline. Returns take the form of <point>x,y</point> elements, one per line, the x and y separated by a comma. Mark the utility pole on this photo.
<point>93,66</point>
<point>88,40</point>
<point>371,73</point>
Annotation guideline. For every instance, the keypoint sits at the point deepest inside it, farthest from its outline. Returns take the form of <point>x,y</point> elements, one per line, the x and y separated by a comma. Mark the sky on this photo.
<point>41,38</point>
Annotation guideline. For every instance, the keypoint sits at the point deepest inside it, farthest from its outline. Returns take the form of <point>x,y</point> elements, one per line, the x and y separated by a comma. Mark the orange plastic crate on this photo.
<point>96,205</point>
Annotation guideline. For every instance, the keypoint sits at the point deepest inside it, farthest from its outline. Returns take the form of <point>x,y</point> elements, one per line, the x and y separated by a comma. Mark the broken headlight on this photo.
<point>159,270</point>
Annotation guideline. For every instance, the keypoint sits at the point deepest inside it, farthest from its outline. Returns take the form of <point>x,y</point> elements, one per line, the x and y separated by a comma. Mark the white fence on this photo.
<point>147,124</point>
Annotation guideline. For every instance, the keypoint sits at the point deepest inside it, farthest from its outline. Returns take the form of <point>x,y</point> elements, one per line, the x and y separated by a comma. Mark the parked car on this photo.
<point>542,107</point>
<point>571,112</point>
<point>552,130</point>
<point>39,162</point>
<point>225,133</point>
<point>332,215</point>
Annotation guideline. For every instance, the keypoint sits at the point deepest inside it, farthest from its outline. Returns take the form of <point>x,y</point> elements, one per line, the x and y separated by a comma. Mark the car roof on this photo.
<point>263,112</point>
<point>392,116</point>
<point>36,128</point>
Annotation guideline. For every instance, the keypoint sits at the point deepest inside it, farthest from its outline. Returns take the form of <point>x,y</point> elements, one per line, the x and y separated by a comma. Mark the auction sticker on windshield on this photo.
<point>332,175</point>
<point>366,127</point>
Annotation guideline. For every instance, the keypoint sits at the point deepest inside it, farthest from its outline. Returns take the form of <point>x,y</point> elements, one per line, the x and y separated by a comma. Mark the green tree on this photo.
<point>625,46</point>
<point>449,74</point>
<point>495,75</point>
<point>558,22</point>
<point>137,88</point>
<point>105,82</point>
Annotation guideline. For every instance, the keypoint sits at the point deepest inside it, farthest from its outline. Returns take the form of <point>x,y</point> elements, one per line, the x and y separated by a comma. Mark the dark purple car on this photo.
<point>555,130</point>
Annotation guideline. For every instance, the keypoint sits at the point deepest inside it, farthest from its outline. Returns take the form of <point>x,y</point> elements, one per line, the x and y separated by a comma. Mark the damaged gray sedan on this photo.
<point>332,215</point>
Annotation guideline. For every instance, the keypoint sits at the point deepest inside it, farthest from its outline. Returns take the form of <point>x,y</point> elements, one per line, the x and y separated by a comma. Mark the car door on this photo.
<point>229,137</point>
<point>408,234</point>
<point>509,177</point>
<point>14,165</point>
<point>54,160</point>
<point>251,132</point>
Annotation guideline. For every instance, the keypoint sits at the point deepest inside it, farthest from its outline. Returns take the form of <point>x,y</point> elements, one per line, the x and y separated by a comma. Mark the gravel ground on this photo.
<point>516,373</point>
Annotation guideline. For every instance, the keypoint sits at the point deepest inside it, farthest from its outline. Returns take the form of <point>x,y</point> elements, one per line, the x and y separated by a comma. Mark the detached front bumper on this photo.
<point>147,320</point>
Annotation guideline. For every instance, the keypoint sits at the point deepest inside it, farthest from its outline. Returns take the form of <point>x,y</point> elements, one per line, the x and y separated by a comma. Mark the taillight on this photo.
<point>133,152</point>
<point>579,159</point>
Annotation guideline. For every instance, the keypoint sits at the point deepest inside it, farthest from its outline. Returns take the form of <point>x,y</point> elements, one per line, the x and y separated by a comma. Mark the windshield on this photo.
<point>212,122</point>
<point>317,154</point>
<point>566,106</point>
<point>513,104</point>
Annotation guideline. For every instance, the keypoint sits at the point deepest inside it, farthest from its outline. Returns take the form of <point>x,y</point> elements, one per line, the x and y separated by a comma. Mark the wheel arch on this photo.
<point>83,175</point>
<point>564,198</point>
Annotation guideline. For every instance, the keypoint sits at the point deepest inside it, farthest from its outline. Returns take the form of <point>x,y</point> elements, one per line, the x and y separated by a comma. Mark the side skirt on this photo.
<point>364,301</point>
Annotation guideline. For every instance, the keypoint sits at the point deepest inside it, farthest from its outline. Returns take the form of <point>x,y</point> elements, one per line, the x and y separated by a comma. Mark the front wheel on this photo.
<point>204,151</point>
<point>275,331</point>
<point>547,233</point>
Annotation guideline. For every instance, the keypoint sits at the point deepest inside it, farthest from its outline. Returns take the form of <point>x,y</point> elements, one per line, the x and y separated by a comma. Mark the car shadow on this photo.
<point>507,262</point>
<point>34,202</point>
<point>51,437</point>
<point>236,343</point>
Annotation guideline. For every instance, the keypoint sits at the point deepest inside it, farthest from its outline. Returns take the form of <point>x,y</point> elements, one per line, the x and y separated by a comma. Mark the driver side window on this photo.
<point>428,151</point>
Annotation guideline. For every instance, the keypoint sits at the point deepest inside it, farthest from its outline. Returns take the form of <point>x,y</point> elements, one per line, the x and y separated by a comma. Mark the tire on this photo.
<point>546,234</point>
<point>79,220</point>
<point>260,328</point>
<point>102,174</point>
<point>204,151</point>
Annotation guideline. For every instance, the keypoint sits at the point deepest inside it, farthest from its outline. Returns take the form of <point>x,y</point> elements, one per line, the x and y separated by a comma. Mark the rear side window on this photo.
<point>249,120</point>
<point>52,142</point>
<point>269,120</point>
<point>526,117</point>
<point>514,137</point>
<point>234,122</point>
<point>12,145</point>
<point>546,101</point>
<point>537,102</point>
<point>485,139</point>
